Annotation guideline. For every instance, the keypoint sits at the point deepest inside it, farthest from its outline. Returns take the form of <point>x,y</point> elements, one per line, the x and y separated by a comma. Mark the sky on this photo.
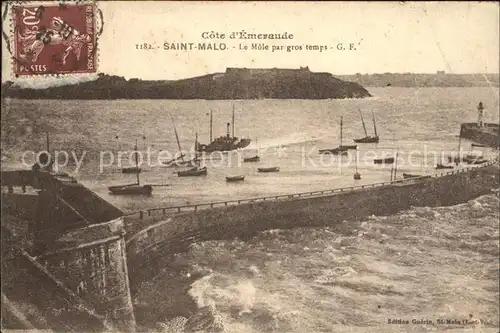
<point>419,37</point>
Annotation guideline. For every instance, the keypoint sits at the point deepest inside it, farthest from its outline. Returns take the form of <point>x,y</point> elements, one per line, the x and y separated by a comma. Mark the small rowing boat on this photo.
<point>387,160</point>
<point>251,159</point>
<point>442,166</point>
<point>238,178</point>
<point>131,189</point>
<point>193,172</point>
<point>271,169</point>
<point>131,170</point>
<point>409,175</point>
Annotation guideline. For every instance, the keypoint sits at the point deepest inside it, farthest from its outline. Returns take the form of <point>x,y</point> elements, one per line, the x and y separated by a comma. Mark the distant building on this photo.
<point>257,71</point>
<point>440,72</point>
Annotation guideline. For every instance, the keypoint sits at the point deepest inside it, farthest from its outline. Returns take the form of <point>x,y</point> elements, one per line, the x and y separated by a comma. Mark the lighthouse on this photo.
<point>480,115</point>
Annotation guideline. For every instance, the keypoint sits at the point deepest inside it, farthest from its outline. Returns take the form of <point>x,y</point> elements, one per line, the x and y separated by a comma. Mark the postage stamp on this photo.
<point>54,38</point>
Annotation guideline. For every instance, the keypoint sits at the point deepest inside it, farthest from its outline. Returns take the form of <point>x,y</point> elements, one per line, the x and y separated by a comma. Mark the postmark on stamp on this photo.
<point>54,38</point>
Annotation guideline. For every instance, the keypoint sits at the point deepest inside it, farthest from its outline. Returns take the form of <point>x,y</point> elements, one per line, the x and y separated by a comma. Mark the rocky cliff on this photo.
<point>235,83</point>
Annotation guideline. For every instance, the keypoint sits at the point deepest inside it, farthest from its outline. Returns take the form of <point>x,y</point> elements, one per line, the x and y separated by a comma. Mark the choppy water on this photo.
<point>425,263</point>
<point>417,123</point>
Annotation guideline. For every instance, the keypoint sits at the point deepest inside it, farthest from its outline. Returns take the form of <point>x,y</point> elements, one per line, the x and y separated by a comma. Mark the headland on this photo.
<point>234,83</point>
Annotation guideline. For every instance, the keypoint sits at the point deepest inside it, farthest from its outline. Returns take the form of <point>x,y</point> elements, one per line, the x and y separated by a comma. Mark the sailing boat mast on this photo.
<point>374,125</point>
<point>211,125</point>
<point>356,160</point>
<point>233,122</point>
<point>396,165</point>
<point>363,122</point>
<point>459,157</point>
<point>177,138</point>
<point>48,141</point>
<point>136,162</point>
<point>341,124</point>
<point>196,147</point>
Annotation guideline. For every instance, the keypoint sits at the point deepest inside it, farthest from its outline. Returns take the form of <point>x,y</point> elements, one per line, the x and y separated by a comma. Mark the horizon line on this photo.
<point>91,75</point>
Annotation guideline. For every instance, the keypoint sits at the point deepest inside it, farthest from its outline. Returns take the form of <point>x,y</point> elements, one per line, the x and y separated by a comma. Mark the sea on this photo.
<point>427,269</point>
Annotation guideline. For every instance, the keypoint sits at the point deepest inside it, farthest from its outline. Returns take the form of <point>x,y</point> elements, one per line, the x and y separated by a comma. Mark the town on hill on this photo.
<point>439,79</point>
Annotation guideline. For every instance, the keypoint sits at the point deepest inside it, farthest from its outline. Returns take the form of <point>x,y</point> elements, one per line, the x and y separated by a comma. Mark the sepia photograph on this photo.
<point>250,166</point>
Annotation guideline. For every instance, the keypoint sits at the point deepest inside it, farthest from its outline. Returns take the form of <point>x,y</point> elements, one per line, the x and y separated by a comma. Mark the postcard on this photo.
<point>262,166</point>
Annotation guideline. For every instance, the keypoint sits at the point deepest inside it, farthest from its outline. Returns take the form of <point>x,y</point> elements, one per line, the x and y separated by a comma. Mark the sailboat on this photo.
<point>194,162</point>
<point>175,161</point>
<point>255,158</point>
<point>135,188</point>
<point>224,143</point>
<point>367,138</point>
<point>341,150</point>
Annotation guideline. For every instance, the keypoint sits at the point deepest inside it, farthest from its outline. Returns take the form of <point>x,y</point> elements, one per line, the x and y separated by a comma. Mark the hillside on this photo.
<point>235,83</point>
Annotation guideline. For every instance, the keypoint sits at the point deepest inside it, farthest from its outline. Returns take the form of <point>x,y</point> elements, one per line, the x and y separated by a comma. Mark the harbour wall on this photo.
<point>75,238</point>
<point>489,135</point>
<point>148,249</point>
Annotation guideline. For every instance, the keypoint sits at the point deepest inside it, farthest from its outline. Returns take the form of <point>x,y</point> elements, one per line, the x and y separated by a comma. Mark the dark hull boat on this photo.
<point>271,169</point>
<point>193,172</point>
<point>409,176</point>
<point>235,178</point>
<point>368,138</point>
<point>469,159</point>
<point>223,143</point>
<point>179,163</point>
<point>131,170</point>
<point>334,151</point>
<point>251,159</point>
<point>387,160</point>
<point>131,189</point>
<point>442,166</point>
<point>341,149</point>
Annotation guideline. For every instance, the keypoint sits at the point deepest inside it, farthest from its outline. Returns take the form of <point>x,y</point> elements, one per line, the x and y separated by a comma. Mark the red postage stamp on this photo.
<point>54,38</point>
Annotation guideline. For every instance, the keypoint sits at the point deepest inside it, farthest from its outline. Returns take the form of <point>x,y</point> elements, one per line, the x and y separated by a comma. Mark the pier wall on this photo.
<point>489,135</point>
<point>83,247</point>
<point>38,300</point>
<point>91,261</point>
<point>22,206</point>
<point>148,248</point>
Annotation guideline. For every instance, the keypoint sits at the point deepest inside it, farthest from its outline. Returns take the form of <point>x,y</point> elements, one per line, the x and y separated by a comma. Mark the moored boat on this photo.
<point>387,160</point>
<point>131,189</point>
<point>131,170</point>
<point>251,159</point>
<point>193,172</point>
<point>341,149</point>
<point>409,175</point>
<point>442,166</point>
<point>270,169</point>
<point>238,178</point>
<point>368,138</point>
<point>223,143</point>
<point>135,188</point>
<point>334,151</point>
